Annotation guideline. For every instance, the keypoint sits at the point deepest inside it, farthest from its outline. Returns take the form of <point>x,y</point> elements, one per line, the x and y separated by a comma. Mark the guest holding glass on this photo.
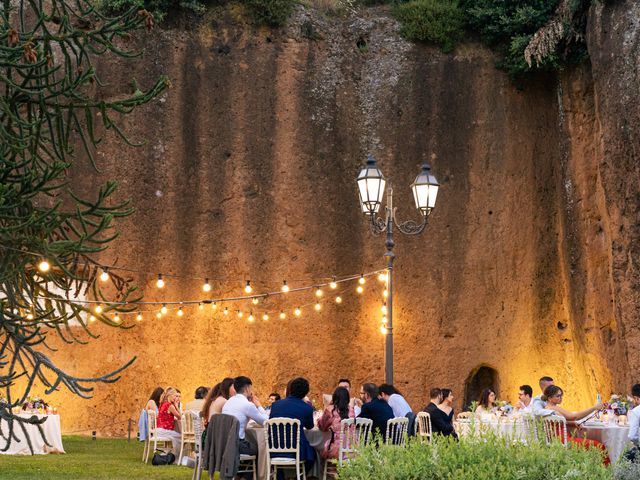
<point>487,402</point>
<point>168,414</point>
<point>339,409</point>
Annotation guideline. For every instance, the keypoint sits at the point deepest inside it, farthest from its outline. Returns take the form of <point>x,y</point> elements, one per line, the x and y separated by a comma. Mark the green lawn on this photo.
<point>88,459</point>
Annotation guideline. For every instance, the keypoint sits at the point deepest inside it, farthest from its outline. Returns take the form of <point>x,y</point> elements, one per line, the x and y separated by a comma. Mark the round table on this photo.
<point>614,437</point>
<point>52,433</point>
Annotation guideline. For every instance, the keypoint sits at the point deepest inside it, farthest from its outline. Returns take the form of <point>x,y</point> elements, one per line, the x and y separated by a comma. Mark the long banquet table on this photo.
<point>52,432</point>
<point>614,437</point>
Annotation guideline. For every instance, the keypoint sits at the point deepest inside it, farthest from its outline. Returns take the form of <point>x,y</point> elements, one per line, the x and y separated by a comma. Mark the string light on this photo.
<point>158,315</point>
<point>283,315</point>
<point>385,293</point>
<point>206,287</point>
<point>226,311</point>
<point>44,266</point>
<point>338,299</point>
<point>384,320</point>
<point>163,310</point>
<point>139,317</point>
<point>383,330</point>
<point>382,277</point>
<point>92,318</point>
<point>318,292</point>
<point>98,308</point>
<point>297,312</point>
<point>359,289</point>
<point>160,282</point>
<point>251,317</point>
<point>116,318</point>
<point>361,280</point>
<point>247,287</point>
<point>180,312</point>
<point>214,306</point>
<point>104,276</point>
<point>239,313</point>
<point>254,300</point>
<point>318,306</point>
<point>333,285</point>
<point>200,306</point>
<point>265,317</point>
<point>384,308</point>
<point>29,316</point>
<point>285,287</point>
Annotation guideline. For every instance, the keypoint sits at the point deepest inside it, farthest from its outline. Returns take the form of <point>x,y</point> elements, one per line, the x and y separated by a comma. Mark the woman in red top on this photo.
<point>168,413</point>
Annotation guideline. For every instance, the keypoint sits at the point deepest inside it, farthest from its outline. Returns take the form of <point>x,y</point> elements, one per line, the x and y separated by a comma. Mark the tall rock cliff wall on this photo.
<point>528,265</point>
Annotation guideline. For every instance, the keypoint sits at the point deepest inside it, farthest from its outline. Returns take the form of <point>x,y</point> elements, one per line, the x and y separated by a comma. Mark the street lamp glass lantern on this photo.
<point>371,185</point>
<point>425,190</point>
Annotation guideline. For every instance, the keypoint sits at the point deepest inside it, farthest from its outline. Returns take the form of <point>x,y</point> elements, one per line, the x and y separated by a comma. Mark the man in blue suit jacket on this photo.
<point>294,407</point>
<point>375,409</point>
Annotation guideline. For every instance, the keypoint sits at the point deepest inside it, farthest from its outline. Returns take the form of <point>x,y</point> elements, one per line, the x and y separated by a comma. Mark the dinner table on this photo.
<point>612,435</point>
<point>20,445</point>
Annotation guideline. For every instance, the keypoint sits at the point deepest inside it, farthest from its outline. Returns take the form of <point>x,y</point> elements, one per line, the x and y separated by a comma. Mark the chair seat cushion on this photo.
<point>283,461</point>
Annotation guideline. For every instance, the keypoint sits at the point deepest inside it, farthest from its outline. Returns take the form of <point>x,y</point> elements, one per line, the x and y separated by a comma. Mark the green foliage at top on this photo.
<point>482,457</point>
<point>434,21</point>
<point>273,13</point>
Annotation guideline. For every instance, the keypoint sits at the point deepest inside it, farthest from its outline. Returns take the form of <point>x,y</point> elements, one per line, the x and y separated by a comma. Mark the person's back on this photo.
<point>379,412</point>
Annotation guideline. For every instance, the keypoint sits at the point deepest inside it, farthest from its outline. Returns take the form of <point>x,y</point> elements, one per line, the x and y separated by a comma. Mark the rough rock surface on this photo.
<point>529,264</point>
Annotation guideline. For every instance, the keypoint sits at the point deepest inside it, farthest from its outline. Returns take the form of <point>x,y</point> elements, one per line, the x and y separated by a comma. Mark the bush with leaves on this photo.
<point>435,21</point>
<point>483,457</point>
<point>272,13</point>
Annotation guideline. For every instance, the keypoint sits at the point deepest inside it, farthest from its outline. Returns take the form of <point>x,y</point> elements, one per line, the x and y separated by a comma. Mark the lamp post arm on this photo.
<point>411,227</point>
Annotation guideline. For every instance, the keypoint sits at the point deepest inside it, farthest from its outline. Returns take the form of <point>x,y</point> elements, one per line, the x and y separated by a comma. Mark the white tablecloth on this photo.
<point>614,437</point>
<point>508,428</point>
<point>52,433</point>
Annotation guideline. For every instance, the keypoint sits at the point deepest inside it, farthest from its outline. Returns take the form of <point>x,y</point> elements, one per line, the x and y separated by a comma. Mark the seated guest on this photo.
<point>447,404</point>
<point>168,413</point>
<point>552,397</point>
<point>398,404</point>
<point>154,399</point>
<point>338,410</point>
<point>196,405</point>
<point>294,406</point>
<point>375,409</point>
<point>524,399</point>
<point>634,416</point>
<point>206,406</point>
<point>537,404</point>
<point>274,397</point>
<point>355,403</point>
<point>245,406</point>
<point>441,422</point>
<point>217,398</point>
<point>487,403</point>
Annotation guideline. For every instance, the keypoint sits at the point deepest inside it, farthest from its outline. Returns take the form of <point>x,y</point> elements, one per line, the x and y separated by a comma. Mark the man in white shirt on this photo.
<point>524,399</point>
<point>392,396</point>
<point>537,404</point>
<point>245,406</point>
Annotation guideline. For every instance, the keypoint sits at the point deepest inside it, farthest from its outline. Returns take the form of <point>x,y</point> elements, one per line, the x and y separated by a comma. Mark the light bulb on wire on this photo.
<point>251,317</point>
<point>382,276</point>
<point>285,287</point>
<point>104,276</point>
<point>360,289</point>
<point>361,280</point>
<point>384,320</point>
<point>383,330</point>
<point>297,312</point>
<point>384,309</point>
<point>319,292</point>
<point>139,317</point>
<point>180,312</point>
<point>239,313</point>
<point>98,308</point>
<point>283,315</point>
<point>247,288</point>
<point>160,282</point>
<point>200,306</point>
<point>214,306</point>
<point>163,310</point>
<point>44,266</point>
<point>116,318</point>
<point>226,311</point>
<point>265,317</point>
<point>385,293</point>
<point>255,300</point>
<point>206,287</point>
<point>333,285</point>
<point>158,315</point>
<point>338,299</point>
<point>92,318</point>
<point>29,316</point>
<point>318,306</point>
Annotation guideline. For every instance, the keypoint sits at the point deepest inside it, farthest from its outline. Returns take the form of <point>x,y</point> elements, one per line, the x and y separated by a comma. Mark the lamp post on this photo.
<point>371,188</point>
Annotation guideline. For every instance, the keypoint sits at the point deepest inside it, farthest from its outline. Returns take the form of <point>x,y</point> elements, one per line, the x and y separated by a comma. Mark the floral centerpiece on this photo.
<point>619,404</point>
<point>34,403</point>
<point>503,407</point>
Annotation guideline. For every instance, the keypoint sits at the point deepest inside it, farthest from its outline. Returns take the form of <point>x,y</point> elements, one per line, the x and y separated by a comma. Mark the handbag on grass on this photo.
<point>163,459</point>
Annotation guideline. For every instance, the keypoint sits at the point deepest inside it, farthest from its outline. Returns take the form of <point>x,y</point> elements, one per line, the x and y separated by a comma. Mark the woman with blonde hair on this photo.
<point>168,413</point>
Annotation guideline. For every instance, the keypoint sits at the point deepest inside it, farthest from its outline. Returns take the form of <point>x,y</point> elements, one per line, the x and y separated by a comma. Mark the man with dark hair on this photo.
<point>196,405</point>
<point>634,416</point>
<point>295,407</point>
<point>345,383</point>
<point>524,398</point>
<point>396,401</point>
<point>244,405</point>
<point>537,404</point>
<point>274,397</point>
<point>439,421</point>
<point>375,409</point>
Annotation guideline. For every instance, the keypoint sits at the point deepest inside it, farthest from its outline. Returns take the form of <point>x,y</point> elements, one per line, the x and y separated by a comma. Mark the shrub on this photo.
<point>626,470</point>
<point>273,13</point>
<point>481,458</point>
<point>435,21</point>
<point>159,8</point>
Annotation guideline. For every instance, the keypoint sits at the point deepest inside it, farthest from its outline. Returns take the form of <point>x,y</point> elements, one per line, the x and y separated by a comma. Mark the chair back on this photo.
<point>152,418</point>
<point>282,435</point>
<point>397,431</point>
<point>532,427</point>
<point>196,421</point>
<point>423,425</point>
<point>363,431</point>
<point>555,427</point>
<point>186,421</point>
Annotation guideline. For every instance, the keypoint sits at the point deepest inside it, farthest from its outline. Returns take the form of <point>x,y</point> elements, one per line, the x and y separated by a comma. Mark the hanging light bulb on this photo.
<point>29,316</point>
<point>239,313</point>
<point>92,318</point>
<point>206,287</point>
<point>98,308</point>
<point>116,318</point>
<point>360,289</point>
<point>214,306</point>
<point>160,282</point>
<point>104,276</point>
<point>319,292</point>
<point>158,315</point>
<point>251,317</point>
<point>254,300</point>
<point>163,310</point>
<point>44,266</point>
<point>285,287</point>
<point>384,320</point>
<point>200,306</point>
<point>384,309</point>
<point>318,306</point>
<point>265,317</point>
<point>180,312</point>
<point>361,280</point>
<point>338,299</point>
<point>139,317</point>
<point>247,288</point>
<point>385,293</point>
<point>333,285</point>
<point>383,330</point>
<point>382,276</point>
<point>297,312</point>
<point>283,315</point>
<point>226,311</point>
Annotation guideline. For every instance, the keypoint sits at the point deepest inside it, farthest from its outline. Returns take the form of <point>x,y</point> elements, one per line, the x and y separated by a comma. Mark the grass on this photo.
<point>103,458</point>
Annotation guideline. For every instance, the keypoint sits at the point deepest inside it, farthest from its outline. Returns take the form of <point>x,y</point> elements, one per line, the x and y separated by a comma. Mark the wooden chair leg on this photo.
<point>255,469</point>
<point>146,446</point>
